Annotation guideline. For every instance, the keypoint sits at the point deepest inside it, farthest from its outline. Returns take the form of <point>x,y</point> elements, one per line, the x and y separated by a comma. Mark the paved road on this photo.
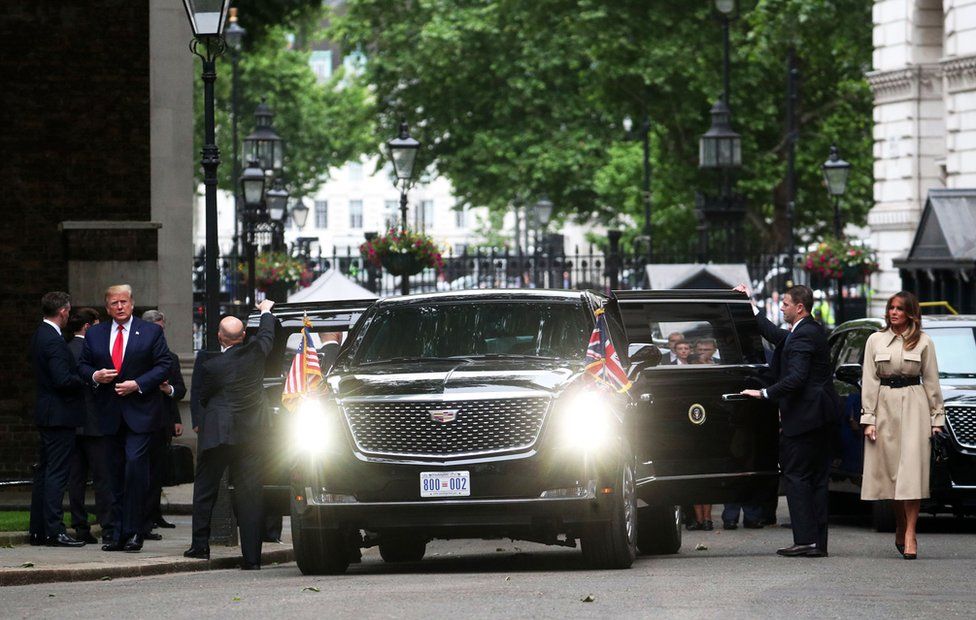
<point>738,576</point>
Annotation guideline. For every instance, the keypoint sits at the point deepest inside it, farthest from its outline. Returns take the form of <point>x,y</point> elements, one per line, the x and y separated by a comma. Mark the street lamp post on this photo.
<point>645,132</point>
<point>277,200</point>
<point>207,22</point>
<point>543,213</point>
<point>720,148</point>
<point>403,151</point>
<point>252,182</point>
<point>835,172</point>
<point>234,34</point>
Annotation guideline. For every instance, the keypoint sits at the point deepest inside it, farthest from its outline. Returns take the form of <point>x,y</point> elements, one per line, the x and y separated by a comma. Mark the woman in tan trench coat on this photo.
<point>902,408</point>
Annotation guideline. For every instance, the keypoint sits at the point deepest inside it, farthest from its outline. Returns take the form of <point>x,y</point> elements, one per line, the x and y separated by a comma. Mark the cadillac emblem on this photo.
<point>696,413</point>
<point>443,415</point>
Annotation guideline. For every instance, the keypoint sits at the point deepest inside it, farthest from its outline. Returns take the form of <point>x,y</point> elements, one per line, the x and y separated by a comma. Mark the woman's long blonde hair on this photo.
<point>912,312</point>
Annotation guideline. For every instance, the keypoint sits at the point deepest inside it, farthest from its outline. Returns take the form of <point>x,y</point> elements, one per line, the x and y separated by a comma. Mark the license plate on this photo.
<point>445,484</point>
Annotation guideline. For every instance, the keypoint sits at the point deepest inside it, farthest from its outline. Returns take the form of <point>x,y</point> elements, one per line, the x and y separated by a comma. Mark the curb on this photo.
<point>159,566</point>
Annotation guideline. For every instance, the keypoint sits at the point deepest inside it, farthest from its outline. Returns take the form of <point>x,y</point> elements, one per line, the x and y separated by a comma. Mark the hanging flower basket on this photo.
<point>834,258</point>
<point>277,272</point>
<point>402,253</point>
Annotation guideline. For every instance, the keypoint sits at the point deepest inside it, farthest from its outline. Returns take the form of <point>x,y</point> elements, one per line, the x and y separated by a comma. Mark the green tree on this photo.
<point>322,124</point>
<point>516,98</point>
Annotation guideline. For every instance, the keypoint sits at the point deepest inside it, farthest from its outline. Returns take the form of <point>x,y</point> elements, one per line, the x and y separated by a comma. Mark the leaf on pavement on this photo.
<point>27,565</point>
<point>236,599</point>
<point>310,589</point>
<point>51,595</point>
<point>701,547</point>
<point>106,578</point>
<point>589,598</point>
<point>508,578</point>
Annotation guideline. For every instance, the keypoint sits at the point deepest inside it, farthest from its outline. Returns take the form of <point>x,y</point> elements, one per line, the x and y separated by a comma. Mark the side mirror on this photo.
<point>646,355</point>
<point>849,373</point>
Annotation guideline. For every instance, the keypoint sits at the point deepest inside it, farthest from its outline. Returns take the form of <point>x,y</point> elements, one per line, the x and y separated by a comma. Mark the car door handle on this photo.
<point>647,398</point>
<point>734,396</point>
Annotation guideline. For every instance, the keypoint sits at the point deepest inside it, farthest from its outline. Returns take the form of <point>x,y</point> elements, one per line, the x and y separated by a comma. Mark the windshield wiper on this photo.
<point>512,356</point>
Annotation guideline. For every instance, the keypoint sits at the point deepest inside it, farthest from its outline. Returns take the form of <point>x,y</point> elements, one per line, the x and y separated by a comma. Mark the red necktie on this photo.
<point>117,351</point>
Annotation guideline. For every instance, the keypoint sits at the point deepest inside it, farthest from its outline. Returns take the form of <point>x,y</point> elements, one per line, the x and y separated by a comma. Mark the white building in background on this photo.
<point>924,85</point>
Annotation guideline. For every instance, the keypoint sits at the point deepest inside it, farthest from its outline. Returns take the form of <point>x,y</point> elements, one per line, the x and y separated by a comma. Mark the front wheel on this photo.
<point>659,530</point>
<point>613,544</point>
<point>317,551</point>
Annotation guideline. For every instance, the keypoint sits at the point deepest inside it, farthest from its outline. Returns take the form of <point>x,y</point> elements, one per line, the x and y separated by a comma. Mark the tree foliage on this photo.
<point>322,124</point>
<point>513,99</point>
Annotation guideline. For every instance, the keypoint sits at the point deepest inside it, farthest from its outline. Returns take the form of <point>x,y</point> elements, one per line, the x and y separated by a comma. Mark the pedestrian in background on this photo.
<point>92,448</point>
<point>173,389</point>
<point>59,410</point>
<point>227,403</point>
<point>901,409</point>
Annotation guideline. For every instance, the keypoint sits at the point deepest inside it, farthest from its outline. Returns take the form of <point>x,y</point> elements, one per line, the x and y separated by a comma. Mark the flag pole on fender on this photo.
<point>305,374</point>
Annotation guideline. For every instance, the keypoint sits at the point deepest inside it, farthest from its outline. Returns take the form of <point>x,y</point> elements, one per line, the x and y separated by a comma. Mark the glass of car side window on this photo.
<point>687,334</point>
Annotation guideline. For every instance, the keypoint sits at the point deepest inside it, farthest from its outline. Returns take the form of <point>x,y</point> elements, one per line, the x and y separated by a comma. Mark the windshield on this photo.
<point>479,329</point>
<point>955,348</point>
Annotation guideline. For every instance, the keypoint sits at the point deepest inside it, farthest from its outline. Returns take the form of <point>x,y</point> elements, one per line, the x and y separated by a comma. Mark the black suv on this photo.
<point>470,415</point>
<point>953,483</point>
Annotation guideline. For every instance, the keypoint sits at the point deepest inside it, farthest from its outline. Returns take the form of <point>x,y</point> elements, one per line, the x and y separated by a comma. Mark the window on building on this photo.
<point>424,215</point>
<point>355,171</point>
<point>356,214</point>
<point>321,64</point>
<point>461,218</point>
<point>391,215</point>
<point>321,214</point>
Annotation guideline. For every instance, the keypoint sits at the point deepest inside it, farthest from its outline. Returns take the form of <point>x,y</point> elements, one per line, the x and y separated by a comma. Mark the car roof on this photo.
<point>504,294</point>
<point>928,321</point>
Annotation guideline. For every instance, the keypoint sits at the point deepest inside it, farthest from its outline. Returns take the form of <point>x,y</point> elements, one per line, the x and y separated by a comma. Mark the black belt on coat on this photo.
<point>900,382</point>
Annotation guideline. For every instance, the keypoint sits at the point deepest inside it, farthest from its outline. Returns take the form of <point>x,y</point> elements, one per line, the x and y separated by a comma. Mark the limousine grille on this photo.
<point>445,428</point>
<point>962,424</point>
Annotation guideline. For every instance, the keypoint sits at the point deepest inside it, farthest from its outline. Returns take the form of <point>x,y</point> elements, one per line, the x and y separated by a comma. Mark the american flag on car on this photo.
<point>305,374</point>
<point>603,363</point>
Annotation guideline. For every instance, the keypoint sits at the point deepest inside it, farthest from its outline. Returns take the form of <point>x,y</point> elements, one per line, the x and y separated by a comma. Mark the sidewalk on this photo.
<point>21,564</point>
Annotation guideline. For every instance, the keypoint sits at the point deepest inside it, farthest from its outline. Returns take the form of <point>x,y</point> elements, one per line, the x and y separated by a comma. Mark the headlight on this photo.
<point>311,429</point>
<point>585,422</point>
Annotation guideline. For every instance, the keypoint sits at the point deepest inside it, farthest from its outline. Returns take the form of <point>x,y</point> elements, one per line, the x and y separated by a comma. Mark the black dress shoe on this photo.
<point>163,523</point>
<point>37,540</point>
<point>247,566</point>
<point>152,536</point>
<point>114,545</point>
<point>708,526</point>
<point>86,537</point>
<point>197,553</point>
<point>63,540</point>
<point>752,525</point>
<point>797,550</point>
<point>729,525</point>
<point>133,544</point>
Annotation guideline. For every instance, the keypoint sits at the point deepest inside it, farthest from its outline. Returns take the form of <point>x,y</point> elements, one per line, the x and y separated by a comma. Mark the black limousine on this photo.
<point>470,415</point>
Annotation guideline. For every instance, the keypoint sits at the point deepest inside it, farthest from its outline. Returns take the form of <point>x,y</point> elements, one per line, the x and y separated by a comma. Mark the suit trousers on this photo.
<point>130,469</point>
<point>51,481</point>
<point>92,455</point>
<point>158,450</point>
<point>245,472</point>
<point>805,460</point>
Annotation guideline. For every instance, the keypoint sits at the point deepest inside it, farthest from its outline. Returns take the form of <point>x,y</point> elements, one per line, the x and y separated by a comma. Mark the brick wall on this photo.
<point>75,92</point>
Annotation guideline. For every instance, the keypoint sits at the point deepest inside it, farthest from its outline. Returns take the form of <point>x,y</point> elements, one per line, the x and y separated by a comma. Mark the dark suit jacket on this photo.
<point>803,386</point>
<point>59,389</point>
<point>227,393</point>
<point>146,360</point>
<point>175,379</point>
<point>90,427</point>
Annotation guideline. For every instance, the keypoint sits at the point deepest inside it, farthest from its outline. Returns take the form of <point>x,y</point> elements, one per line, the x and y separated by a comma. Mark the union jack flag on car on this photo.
<point>603,363</point>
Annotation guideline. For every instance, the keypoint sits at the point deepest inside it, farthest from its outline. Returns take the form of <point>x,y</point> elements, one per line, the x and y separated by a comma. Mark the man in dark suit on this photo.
<point>59,409</point>
<point>173,389</point>
<point>228,407</point>
<point>127,359</point>
<point>808,404</point>
<point>92,448</point>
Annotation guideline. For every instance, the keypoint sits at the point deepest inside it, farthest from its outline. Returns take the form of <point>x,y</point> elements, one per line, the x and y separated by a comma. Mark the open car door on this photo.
<point>696,438</point>
<point>331,322</point>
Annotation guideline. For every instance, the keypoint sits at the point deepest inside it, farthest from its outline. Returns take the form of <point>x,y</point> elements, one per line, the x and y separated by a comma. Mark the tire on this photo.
<point>403,550</point>
<point>883,516</point>
<point>659,530</point>
<point>613,544</point>
<point>318,551</point>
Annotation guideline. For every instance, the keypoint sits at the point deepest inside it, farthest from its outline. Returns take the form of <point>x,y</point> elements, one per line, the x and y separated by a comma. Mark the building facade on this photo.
<point>924,85</point>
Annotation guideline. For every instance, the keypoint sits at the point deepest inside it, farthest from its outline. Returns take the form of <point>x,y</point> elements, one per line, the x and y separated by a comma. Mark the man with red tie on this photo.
<point>126,359</point>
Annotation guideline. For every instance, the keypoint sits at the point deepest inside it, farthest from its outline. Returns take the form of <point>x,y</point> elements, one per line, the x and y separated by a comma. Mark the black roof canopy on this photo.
<point>946,235</point>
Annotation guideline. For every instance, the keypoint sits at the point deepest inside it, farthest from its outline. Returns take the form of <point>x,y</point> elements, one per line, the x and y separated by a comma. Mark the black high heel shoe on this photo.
<point>900,548</point>
<point>911,556</point>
